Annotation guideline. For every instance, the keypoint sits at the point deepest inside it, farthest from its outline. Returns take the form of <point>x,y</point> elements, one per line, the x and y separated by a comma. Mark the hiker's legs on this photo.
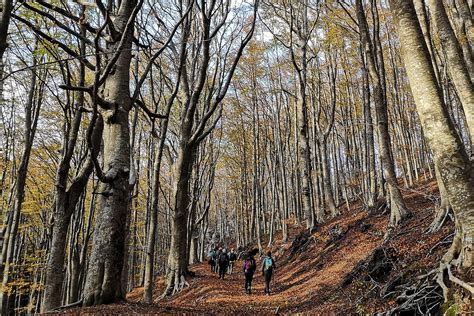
<point>268,279</point>
<point>222,271</point>
<point>248,282</point>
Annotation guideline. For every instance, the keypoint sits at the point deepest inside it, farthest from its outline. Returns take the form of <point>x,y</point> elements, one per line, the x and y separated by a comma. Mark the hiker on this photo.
<point>268,265</point>
<point>232,259</point>
<point>212,260</point>
<point>218,254</point>
<point>249,269</point>
<point>223,263</point>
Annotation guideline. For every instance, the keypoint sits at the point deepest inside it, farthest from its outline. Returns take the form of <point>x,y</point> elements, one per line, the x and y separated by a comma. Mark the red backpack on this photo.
<point>249,264</point>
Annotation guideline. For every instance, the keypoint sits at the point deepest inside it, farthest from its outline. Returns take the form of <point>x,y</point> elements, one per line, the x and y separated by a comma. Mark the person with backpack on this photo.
<point>268,265</point>
<point>249,269</point>
<point>223,263</point>
<point>218,254</point>
<point>232,259</point>
<point>212,260</point>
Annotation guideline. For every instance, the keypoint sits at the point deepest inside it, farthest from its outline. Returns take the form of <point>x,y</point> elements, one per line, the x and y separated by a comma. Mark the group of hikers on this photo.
<point>221,261</point>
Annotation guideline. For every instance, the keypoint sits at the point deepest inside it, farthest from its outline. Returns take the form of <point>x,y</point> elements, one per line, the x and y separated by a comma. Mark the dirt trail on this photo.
<point>207,293</point>
<point>312,279</point>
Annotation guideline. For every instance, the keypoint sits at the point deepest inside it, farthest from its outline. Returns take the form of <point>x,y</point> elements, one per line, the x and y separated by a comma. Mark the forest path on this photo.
<point>310,279</point>
<point>207,293</point>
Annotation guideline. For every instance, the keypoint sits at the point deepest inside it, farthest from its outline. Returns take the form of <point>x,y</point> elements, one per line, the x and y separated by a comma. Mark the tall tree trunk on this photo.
<point>65,205</point>
<point>67,197</point>
<point>328,192</point>
<point>177,263</point>
<point>465,26</point>
<point>398,210</point>
<point>304,161</point>
<point>455,62</point>
<point>6,7</point>
<point>150,245</point>
<point>454,166</point>
<point>32,109</point>
<point>103,281</point>
<point>369,146</point>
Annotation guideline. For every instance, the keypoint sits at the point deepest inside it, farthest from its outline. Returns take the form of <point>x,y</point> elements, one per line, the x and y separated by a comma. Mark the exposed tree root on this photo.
<point>450,259</point>
<point>176,283</point>
<point>446,240</point>
<point>440,217</point>
<point>423,297</point>
<point>460,282</point>
<point>71,305</point>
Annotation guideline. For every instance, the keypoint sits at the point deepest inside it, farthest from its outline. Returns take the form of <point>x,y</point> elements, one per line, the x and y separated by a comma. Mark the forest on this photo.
<point>147,144</point>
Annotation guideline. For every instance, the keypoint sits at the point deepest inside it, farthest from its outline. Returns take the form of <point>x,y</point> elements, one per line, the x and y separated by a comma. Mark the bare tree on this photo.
<point>208,22</point>
<point>398,210</point>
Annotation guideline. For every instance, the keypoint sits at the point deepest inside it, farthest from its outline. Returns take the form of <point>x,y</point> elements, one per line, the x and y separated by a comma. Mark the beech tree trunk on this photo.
<point>103,280</point>
<point>398,210</point>
<point>193,131</point>
<point>6,7</point>
<point>177,263</point>
<point>66,197</point>
<point>455,61</point>
<point>449,155</point>
<point>65,205</point>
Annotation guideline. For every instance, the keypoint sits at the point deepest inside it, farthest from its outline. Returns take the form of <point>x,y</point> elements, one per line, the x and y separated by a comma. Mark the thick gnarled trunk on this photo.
<point>103,281</point>
<point>104,274</point>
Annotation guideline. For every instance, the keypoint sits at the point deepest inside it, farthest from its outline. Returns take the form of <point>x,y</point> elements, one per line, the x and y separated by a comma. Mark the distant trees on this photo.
<point>300,20</point>
<point>376,69</point>
<point>203,89</point>
<point>32,107</point>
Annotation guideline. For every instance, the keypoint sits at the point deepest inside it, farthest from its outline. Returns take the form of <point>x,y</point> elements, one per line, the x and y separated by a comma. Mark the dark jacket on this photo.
<point>223,259</point>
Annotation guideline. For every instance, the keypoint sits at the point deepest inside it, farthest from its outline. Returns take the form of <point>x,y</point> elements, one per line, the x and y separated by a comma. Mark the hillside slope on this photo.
<point>343,267</point>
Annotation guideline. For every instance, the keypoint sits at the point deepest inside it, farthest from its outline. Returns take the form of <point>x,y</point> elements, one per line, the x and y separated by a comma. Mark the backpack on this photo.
<point>249,265</point>
<point>232,257</point>
<point>213,254</point>
<point>223,258</point>
<point>267,263</point>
